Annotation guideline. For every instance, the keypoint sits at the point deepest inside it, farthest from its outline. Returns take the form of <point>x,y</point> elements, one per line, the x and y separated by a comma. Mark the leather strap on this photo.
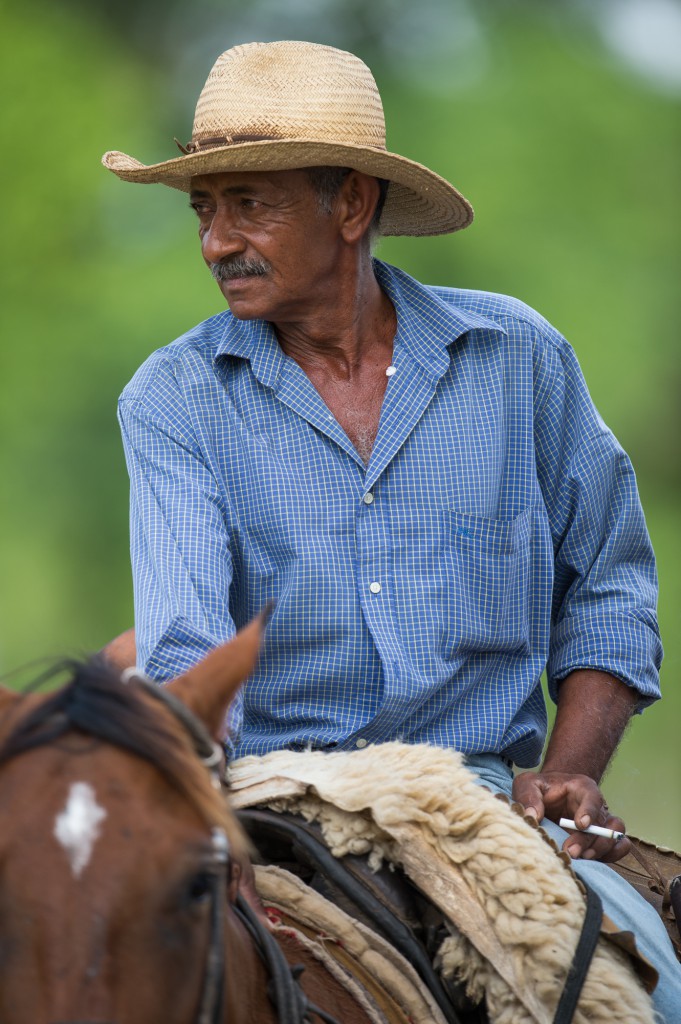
<point>675,898</point>
<point>289,1000</point>
<point>581,961</point>
<point>195,145</point>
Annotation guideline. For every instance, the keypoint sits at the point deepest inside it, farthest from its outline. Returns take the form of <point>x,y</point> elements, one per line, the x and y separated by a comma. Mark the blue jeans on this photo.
<point>621,902</point>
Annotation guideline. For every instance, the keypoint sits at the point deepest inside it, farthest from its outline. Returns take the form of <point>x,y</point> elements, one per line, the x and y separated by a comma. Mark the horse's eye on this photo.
<point>200,887</point>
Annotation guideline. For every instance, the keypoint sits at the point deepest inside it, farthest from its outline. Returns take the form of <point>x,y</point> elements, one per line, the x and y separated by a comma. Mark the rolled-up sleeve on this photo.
<point>605,585</point>
<point>182,566</point>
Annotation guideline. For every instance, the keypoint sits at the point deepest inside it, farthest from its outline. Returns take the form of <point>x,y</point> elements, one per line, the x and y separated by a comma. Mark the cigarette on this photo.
<point>592,830</point>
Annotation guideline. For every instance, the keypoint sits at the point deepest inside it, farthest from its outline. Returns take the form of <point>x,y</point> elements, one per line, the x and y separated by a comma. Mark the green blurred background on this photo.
<point>559,120</point>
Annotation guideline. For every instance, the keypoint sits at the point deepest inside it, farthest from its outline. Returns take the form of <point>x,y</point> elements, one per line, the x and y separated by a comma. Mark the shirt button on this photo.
<point>361,742</point>
<point>375,588</point>
<point>368,498</point>
<point>390,371</point>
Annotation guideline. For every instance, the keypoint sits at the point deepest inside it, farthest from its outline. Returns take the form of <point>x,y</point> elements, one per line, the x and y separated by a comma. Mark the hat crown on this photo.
<point>290,90</point>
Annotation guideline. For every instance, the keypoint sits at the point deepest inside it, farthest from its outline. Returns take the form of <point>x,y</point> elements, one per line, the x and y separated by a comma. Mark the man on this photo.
<point>417,475</point>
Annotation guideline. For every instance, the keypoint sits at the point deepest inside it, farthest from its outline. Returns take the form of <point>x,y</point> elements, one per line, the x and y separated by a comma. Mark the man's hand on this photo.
<point>593,711</point>
<point>558,795</point>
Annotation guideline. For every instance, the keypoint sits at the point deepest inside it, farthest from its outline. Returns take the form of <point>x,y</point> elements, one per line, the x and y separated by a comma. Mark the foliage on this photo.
<point>571,163</point>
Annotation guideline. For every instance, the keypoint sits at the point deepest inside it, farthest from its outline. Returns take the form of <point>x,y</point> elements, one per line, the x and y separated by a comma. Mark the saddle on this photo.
<point>655,872</point>
<point>490,879</point>
<point>385,901</point>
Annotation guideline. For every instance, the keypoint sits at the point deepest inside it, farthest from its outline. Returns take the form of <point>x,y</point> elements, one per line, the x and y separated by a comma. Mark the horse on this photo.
<point>120,861</point>
<point>123,871</point>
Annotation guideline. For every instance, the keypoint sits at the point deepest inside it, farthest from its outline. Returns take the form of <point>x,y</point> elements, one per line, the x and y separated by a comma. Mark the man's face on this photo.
<point>270,247</point>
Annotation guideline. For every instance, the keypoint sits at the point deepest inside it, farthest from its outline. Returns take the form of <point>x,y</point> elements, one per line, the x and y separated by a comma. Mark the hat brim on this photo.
<point>419,202</point>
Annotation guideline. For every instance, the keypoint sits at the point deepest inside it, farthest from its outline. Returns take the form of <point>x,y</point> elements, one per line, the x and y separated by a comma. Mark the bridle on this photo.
<point>291,1004</point>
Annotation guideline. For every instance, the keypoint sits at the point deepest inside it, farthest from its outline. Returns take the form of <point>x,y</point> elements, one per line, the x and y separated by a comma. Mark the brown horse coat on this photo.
<point>106,819</point>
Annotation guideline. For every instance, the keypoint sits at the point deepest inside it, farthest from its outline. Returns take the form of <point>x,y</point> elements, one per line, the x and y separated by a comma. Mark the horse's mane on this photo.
<point>96,703</point>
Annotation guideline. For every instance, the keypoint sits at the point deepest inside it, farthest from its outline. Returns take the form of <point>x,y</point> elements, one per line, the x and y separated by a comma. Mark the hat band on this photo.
<point>194,145</point>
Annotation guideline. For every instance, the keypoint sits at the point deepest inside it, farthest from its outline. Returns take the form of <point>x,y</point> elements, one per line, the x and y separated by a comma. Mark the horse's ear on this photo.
<point>208,687</point>
<point>121,652</point>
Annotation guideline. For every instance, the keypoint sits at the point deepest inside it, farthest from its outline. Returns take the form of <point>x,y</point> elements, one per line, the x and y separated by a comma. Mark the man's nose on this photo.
<point>221,239</point>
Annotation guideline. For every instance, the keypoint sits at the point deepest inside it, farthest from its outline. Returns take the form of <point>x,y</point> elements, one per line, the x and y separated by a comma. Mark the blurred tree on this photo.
<point>571,160</point>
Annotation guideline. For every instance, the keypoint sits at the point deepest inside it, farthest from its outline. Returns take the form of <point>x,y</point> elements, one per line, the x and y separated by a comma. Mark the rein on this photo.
<point>292,1005</point>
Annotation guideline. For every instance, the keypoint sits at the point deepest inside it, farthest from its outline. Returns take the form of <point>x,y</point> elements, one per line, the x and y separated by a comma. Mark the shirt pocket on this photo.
<point>488,567</point>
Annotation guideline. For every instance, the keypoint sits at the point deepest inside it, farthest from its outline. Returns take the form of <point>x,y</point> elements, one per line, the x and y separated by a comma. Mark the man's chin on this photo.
<point>241,309</point>
<point>237,291</point>
<point>242,314</point>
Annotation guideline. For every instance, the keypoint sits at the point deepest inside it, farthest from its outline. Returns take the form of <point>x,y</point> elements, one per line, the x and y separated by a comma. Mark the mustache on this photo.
<point>238,266</point>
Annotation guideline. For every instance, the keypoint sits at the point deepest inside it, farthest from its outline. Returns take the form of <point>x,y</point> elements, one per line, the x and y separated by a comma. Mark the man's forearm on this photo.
<point>593,711</point>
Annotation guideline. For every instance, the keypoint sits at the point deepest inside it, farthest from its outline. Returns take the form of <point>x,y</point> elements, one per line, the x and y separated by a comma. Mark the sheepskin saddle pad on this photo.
<point>513,905</point>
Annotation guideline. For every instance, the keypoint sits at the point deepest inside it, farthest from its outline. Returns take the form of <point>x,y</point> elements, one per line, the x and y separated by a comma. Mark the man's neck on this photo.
<point>354,324</point>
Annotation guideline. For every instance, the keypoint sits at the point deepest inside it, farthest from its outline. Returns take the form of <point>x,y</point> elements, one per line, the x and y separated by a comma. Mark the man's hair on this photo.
<point>327,182</point>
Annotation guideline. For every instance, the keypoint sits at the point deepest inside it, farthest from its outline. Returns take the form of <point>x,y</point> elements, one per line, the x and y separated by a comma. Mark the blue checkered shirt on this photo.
<point>496,530</point>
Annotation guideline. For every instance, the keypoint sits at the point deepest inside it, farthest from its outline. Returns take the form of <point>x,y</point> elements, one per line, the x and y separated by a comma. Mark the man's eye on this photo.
<point>201,209</point>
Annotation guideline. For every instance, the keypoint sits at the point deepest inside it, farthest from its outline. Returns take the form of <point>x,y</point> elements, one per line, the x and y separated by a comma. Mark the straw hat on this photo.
<point>278,106</point>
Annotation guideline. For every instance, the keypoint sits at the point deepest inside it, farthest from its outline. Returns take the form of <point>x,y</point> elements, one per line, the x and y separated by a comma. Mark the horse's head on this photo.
<point>110,846</point>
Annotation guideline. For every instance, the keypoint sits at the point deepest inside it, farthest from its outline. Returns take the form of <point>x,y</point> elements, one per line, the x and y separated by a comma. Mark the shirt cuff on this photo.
<point>625,647</point>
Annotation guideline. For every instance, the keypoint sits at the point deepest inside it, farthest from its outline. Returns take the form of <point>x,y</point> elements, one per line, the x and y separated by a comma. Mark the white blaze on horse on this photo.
<point>77,827</point>
<point>120,861</point>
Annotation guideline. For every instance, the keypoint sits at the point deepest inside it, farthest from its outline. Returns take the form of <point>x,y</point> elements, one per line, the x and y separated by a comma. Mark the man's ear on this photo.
<point>209,687</point>
<point>359,196</point>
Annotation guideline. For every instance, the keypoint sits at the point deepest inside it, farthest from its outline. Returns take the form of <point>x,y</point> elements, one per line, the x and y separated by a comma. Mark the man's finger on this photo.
<point>527,791</point>
<point>590,847</point>
<point>581,844</point>
<point>590,809</point>
<point>608,851</point>
<point>619,849</point>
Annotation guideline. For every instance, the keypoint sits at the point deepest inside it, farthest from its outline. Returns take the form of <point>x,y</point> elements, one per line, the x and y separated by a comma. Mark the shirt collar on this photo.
<point>256,341</point>
<point>427,325</point>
